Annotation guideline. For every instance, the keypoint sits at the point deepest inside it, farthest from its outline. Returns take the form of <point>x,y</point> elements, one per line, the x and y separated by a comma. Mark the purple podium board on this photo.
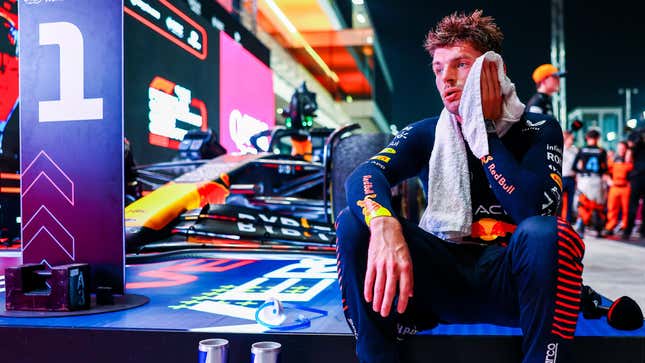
<point>71,133</point>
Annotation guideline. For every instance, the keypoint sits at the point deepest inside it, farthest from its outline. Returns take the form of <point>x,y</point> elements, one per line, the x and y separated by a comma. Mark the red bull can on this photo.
<point>213,351</point>
<point>265,352</point>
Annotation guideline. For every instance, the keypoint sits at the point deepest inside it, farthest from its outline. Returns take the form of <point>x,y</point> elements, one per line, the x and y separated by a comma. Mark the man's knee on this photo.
<point>535,245</point>
<point>538,232</point>
<point>547,243</point>
<point>544,233</point>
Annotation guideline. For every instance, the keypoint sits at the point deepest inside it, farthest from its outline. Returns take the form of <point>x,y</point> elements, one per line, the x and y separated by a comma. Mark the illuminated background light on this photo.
<point>296,34</point>
<point>244,111</point>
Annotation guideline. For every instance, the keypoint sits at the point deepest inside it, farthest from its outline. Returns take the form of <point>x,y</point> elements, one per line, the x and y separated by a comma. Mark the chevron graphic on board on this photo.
<point>44,168</point>
<point>44,227</point>
<point>44,235</point>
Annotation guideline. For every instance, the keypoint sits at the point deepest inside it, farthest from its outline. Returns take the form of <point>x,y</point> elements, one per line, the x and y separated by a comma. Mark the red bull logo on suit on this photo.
<point>489,229</point>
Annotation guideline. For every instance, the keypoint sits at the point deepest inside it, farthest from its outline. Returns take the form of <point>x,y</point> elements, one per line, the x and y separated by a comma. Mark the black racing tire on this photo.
<point>413,201</point>
<point>346,156</point>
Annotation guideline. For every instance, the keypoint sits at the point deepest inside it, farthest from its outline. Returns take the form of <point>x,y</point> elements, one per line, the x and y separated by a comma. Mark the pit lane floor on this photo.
<point>615,268</point>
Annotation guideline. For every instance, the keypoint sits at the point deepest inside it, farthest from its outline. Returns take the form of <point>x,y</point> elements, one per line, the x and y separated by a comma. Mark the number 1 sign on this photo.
<point>71,130</point>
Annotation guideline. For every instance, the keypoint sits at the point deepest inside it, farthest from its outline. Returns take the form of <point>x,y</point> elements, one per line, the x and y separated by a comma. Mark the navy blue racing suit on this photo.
<point>521,266</point>
<point>540,103</point>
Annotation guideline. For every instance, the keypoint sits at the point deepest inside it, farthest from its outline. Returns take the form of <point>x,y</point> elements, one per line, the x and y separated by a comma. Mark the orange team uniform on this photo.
<point>618,199</point>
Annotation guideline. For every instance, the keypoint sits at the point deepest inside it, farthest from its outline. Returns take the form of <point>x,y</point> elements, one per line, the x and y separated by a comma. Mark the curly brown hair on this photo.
<point>479,31</point>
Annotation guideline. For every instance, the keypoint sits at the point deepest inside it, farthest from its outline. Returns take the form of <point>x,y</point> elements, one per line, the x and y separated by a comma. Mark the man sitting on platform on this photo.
<point>488,248</point>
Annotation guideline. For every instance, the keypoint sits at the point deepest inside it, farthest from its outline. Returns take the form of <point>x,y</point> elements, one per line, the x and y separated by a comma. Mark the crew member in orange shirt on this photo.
<point>618,199</point>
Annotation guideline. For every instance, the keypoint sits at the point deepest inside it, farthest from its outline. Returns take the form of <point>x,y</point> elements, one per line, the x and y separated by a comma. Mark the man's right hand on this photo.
<point>388,266</point>
<point>491,92</point>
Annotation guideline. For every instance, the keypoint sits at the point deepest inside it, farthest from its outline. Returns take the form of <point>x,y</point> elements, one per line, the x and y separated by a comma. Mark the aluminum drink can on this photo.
<point>265,352</point>
<point>213,351</point>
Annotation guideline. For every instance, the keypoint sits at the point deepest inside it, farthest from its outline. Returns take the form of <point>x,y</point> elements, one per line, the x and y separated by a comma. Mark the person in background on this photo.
<point>636,154</point>
<point>618,198</point>
<point>547,81</point>
<point>611,155</point>
<point>569,153</point>
<point>590,165</point>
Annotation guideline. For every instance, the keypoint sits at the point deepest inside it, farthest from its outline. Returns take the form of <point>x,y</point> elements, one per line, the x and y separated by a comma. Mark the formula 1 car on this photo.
<point>285,197</point>
<point>270,200</point>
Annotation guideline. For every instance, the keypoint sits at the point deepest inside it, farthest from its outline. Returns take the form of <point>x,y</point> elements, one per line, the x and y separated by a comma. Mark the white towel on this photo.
<point>470,107</point>
<point>449,211</point>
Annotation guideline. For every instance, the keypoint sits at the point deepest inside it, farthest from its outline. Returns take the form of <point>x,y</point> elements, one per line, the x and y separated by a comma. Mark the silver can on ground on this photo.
<point>265,352</point>
<point>213,351</point>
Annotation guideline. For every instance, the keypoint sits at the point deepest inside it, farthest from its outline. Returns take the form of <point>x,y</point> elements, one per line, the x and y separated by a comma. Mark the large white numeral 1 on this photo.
<point>72,104</point>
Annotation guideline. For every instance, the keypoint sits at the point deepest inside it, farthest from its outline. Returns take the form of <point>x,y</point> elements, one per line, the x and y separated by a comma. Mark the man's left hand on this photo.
<point>491,91</point>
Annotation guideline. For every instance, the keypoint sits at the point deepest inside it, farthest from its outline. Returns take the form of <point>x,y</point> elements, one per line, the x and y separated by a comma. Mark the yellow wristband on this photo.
<point>372,209</point>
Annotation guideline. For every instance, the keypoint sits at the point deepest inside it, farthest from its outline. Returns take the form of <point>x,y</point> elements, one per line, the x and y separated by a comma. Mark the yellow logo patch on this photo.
<point>371,209</point>
<point>385,159</point>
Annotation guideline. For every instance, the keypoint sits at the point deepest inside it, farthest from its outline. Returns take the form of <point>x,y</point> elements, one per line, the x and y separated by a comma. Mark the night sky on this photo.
<point>605,49</point>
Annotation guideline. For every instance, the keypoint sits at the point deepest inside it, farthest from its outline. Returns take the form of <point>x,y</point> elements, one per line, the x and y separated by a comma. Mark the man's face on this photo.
<point>621,149</point>
<point>451,65</point>
<point>552,84</point>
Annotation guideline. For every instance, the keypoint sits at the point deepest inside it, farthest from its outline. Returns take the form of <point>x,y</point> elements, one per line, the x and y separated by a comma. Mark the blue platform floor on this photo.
<point>222,293</point>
